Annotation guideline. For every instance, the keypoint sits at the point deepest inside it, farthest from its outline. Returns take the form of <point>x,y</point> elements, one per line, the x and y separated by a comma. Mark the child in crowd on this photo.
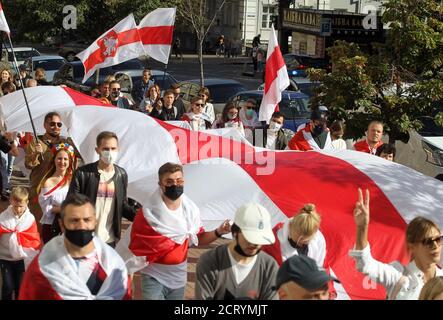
<point>19,242</point>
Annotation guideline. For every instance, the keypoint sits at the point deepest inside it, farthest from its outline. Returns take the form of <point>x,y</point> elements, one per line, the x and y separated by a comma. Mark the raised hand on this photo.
<point>361,210</point>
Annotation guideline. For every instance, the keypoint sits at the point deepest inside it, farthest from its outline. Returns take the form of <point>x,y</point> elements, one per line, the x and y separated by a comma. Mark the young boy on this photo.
<point>19,241</point>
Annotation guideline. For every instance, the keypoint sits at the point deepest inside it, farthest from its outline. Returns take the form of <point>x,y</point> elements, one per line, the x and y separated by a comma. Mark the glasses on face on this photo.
<point>429,242</point>
<point>201,105</point>
<point>115,89</point>
<point>53,124</point>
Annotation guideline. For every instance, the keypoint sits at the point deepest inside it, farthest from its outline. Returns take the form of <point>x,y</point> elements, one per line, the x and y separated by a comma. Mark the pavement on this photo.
<point>193,254</point>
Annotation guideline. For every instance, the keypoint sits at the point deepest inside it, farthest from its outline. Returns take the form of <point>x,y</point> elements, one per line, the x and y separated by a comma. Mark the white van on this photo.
<point>424,150</point>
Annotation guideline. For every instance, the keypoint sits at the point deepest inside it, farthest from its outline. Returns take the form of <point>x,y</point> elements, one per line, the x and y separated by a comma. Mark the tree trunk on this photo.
<point>200,60</point>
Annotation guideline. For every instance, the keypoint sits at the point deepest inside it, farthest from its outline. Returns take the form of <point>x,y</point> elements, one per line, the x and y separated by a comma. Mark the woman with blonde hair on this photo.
<point>54,188</point>
<point>423,239</point>
<point>299,235</point>
<point>432,290</point>
<point>40,76</point>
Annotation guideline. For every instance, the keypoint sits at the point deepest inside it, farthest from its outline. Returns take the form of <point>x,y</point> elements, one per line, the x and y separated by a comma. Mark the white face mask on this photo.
<point>109,157</point>
<point>275,126</point>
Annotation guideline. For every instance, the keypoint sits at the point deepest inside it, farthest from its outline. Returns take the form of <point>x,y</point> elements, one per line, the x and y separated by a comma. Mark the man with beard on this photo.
<point>163,232</point>
<point>39,158</point>
<point>239,270</point>
<point>315,136</point>
<point>76,265</point>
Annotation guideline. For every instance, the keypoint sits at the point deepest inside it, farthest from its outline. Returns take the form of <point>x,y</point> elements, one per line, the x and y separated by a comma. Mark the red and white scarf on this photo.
<point>53,275</point>
<point>156,236</point>
<point>312,144</point>
<point>25,239</point>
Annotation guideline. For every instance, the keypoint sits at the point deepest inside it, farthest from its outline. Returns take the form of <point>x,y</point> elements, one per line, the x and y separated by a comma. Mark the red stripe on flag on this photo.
<point>274,63</point>
<point>123,38</point>
<point>83,99</point>
<point>331,184</point>
<point>156,35</point>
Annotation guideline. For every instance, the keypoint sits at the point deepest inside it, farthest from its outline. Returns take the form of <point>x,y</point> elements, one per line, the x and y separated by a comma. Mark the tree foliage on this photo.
<point>399,84</point>
<point>36,20</point>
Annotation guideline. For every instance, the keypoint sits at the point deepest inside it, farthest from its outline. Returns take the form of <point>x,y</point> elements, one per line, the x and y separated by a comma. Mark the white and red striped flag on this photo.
<point>221,174</point>
<point>119,44</point>
<point>156,30</point>
<point>276,79</point>
<point>3,23</point>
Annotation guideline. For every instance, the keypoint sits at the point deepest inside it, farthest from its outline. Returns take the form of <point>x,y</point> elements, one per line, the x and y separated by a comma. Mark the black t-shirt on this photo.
<point>5,147</point>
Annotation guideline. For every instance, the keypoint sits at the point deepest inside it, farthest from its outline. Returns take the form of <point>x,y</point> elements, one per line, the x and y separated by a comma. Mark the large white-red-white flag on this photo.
<point>117,45</point>
<point>156,30</point>
<point>3,23</point>
<point>221,174</point>
<point>276,79</point>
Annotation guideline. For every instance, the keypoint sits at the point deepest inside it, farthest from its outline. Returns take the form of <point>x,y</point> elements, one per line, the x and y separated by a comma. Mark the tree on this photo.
<point>399,84</point>
<point>195,12</point>
<point>36,20</point>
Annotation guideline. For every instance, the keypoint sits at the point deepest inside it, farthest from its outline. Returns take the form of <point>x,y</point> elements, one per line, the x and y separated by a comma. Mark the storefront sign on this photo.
<point>301,20</point>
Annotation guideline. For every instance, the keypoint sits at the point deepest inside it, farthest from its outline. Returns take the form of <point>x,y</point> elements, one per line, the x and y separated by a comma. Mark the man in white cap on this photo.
<point>239,270</point>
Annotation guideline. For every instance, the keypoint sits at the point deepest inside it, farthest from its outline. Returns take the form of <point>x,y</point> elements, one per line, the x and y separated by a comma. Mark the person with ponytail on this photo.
<point>54,188</point>
<point>299,235</point>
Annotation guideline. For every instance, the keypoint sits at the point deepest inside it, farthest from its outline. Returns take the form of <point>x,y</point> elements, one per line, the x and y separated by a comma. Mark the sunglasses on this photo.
<point>116,89</point>
<point>53,124</point>
<point>199,104</point>
<point>429,242</point>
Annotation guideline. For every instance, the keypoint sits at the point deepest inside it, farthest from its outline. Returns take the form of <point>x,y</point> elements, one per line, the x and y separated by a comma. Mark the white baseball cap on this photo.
<point>255,224</point>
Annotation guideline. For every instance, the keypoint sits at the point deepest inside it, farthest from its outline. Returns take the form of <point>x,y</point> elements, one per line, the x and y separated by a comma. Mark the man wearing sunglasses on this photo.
<point>116,98</point>
<point>38,156</point>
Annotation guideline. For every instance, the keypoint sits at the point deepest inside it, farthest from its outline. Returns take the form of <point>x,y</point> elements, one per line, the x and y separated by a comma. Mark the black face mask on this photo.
<point>173,192</point>
<point>240,251</point>
<point>80,238</point>
<point>301,249</point>
<point>317,130</point>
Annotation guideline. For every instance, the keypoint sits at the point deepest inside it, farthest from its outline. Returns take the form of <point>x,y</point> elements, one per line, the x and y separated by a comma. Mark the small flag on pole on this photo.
<point>3,23</point>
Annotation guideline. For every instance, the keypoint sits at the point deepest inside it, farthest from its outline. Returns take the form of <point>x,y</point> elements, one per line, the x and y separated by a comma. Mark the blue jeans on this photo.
<point>154,290</point>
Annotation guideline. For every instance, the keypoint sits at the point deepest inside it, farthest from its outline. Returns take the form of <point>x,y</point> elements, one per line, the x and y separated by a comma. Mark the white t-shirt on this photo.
<point>105,206</point>
<point>172,276</point>
<point>241,271</point>
<point>86,265</point>
<point>271,139</point>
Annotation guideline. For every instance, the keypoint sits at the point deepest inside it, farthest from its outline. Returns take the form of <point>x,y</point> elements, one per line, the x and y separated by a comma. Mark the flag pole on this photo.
<point>164,73</point>
<point>22,87</point>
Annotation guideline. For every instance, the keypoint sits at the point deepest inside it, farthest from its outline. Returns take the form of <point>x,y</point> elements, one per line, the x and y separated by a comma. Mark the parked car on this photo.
<point>220,89</point>
<point>50,64</point>
<point>299,84</point>
<point>68,50</point>
<point>72,73</point>
<point>294,106</point>
<point>297,64</point>
<point>21,54</point>
<point>424,150</point>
